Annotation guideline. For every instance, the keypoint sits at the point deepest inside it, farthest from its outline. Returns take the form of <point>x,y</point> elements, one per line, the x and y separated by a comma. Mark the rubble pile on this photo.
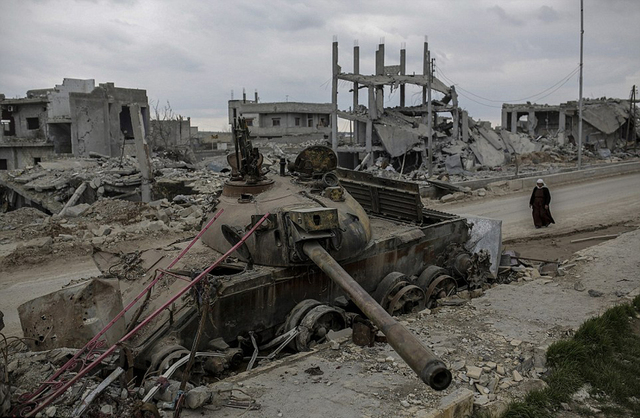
<point>485,153</point>
<point>103,224</point>
<point>50,184</point>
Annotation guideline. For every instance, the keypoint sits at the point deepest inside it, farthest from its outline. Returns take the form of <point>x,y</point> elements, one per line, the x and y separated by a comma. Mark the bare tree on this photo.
<point>167,132</point>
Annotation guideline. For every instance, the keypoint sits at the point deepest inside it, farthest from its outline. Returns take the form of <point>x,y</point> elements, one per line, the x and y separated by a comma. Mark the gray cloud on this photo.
<point>547,14</point>
<point>504,17</point>
<point>193,53</point>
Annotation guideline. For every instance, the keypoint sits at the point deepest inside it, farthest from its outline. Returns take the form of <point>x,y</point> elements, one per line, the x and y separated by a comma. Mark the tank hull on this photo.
<point>259,300</point>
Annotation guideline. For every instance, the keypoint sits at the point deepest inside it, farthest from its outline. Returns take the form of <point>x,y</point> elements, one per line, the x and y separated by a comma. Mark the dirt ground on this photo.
<point>504,332</point>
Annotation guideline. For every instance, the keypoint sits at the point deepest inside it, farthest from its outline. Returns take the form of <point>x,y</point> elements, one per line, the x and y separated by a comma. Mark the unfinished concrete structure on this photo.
<point>397,131</point>
<point>282,119</point>
<point>608,123</point>
<point>75,117</point>
<point>171,133</point>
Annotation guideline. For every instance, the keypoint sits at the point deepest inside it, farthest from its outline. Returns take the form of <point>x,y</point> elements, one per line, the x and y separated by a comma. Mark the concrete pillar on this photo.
<point>403,69</point>
<point>531,123</point>
<point>369,136</point>
<point>380,71</point>
<point>425,68</point>
<point>514,121</point>
<point>562,122</point>
<point>334,97</point>
<point>504,123</point>
<point>356,70</point>
<point>142,152</point>
<point>14,159</point>
<point>455,114</point>
<point>465,126</point>
<point>373,110</point>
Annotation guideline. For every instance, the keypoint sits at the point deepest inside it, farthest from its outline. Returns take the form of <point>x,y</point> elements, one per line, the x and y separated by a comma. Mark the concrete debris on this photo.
<point>474,372</point>
<point>66,186</point>
<point>73,315</point>
<point>198,397</point>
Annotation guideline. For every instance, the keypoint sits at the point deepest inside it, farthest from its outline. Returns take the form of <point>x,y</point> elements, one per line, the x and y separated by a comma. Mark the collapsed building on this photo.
<point>401,134</point>
<point>459,144</point>
<point>396,131</point>
<point>608,123</point>
<point>75,118</point>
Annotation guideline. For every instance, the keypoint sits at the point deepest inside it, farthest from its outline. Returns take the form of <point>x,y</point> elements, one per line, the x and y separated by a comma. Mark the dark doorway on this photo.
<point>125,123</point>
<point>60,134</point>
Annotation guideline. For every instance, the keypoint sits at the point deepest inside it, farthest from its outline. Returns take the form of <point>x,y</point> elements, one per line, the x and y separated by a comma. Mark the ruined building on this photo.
<point>606,122</point>
<point>395,131</point>
<point>75,118</point>
<point>282,119</point>
<point>171,133</point>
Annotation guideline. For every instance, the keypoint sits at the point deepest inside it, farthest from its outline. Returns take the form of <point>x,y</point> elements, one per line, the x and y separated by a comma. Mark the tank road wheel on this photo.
<point>297,313</point>
<point>163,357</point>
<point>442,287</point>
<point>317,323</point>
<point>388,286</point>
<point>428,275</point>
<point>397,295</point>
<point>408,299</point>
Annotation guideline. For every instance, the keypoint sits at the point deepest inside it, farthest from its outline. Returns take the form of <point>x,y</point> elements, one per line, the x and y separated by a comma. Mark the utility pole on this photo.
<point>430,115</point>
<point>335,69</point>
<point>580,102</point>
<point>426,154</point>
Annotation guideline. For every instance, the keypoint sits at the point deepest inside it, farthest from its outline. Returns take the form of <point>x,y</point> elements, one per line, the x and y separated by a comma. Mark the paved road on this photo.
<point>574,207</point>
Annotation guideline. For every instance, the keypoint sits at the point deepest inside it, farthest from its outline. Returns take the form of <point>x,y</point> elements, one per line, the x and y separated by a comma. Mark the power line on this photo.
<point>559,84</point>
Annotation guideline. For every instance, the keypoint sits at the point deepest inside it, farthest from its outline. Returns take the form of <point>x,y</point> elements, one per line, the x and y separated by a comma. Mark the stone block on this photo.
<point>474,372</point>
<point>447,198</point>
<point>197,397</point>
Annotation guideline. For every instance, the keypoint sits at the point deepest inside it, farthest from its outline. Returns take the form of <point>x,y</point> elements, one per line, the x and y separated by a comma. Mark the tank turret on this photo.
<point>309,203</point>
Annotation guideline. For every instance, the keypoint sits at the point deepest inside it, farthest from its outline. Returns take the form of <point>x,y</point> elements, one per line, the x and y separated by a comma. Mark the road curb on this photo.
<point>592,172</point>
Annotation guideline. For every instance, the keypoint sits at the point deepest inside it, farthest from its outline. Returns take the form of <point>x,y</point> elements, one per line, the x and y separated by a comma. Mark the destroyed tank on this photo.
<point>298,254</point>
<point>331,248</point>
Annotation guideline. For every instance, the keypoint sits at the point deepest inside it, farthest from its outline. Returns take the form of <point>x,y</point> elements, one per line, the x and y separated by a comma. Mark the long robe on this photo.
<point>540,199</point>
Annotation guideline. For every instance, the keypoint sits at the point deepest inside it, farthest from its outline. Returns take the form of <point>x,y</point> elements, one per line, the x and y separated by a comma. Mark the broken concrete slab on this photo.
<point>491,136</point>
<point>73,315</point>
<point>77,210</point>
<point>520,144</point>
<point>485,153</point>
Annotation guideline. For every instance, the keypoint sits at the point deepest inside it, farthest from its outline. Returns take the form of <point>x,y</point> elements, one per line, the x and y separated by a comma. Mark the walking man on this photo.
<point>539,202</point>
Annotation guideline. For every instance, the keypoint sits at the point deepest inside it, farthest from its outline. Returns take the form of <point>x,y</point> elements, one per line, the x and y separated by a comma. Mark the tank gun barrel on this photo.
<point>423,361</point>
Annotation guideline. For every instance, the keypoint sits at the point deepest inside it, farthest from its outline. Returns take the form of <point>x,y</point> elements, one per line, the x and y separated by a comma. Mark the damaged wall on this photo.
<point>165,134</point>
<point>101,120</point>
<point>72,118</point>
<point>16,156</point>
<point>26,118</point>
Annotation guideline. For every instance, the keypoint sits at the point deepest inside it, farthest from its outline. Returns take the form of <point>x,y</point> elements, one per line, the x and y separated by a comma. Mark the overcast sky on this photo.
<point>193,53</point>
